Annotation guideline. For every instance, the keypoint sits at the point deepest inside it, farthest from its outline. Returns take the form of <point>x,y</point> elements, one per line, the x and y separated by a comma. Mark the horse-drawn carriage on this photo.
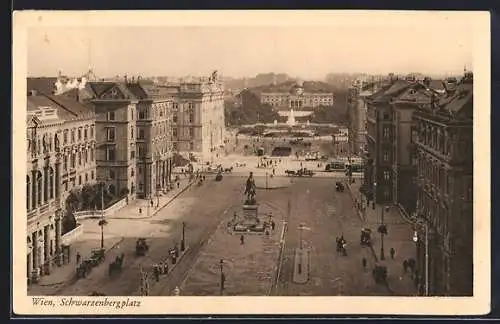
<point>141,247</point>
<point>366,236</point>
<point>300,173</point>
<point>83,269</point>
<point>97,257</point>
<point>218,177</point>
<point>339,186</point>
<point>116,266</point>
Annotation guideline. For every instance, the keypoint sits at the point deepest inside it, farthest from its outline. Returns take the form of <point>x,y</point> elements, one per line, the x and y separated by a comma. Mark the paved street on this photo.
<point>326,214</point>
<point>162,231</point>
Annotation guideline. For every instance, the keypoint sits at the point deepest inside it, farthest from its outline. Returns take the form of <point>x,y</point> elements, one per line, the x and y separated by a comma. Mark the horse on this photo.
<point>289,172</point>
<point>116,266</point>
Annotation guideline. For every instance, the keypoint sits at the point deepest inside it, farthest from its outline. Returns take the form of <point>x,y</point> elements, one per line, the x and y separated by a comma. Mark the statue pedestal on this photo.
<point>250,214</point>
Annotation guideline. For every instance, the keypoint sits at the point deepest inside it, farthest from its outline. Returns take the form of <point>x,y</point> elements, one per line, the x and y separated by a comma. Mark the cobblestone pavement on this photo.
<point>326,215</point>
<point>249,268</point>
<point>400,233</point>
<point>162,232</point>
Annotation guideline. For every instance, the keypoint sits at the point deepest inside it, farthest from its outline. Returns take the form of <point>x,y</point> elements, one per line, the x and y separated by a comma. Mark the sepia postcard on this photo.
<point>251,162</point>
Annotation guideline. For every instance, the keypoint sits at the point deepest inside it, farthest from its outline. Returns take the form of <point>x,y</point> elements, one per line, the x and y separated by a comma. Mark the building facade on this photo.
<point>404,172</point>
<point>198,117</point>
<point>297,96</point>
<point>116,152</point>
<point>444,153</point>
<point>61,144</point>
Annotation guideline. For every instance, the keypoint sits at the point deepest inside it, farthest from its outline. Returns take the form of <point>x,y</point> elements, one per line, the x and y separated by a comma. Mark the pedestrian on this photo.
<point>165,267</point>
<point>140,210</point>
<point>178,184</point>
<point>392,252</point>
<point>78,257</point>
<point>411,264</point>
<point>272,225</point>
<point>151,202</point>
<point>156,272</point>
<point>274,171</point>
<point>363,263</point>
<point>242,239</point>
<point>405,266</point>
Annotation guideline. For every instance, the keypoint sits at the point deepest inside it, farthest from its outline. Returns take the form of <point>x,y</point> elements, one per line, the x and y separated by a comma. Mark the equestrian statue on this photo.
<point>250,190</point>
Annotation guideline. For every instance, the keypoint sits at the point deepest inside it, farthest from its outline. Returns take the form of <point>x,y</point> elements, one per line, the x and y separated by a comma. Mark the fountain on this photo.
<point>291,118</point>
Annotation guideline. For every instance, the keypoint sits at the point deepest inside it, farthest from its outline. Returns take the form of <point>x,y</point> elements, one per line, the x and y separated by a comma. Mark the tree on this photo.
<point>88,194</point>
<point>250,111</point>
<point>68,222</point>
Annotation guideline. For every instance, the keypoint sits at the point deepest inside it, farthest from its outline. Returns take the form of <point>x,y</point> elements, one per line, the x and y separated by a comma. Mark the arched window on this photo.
<point>28,192</point>
<point>79,158</point>
<point>39,187</point>
<point>51,183</point>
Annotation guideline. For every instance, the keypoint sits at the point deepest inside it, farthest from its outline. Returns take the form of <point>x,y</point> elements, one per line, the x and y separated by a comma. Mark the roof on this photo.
<point>45,85</point>
<point>67,108</point>
<point>462,97</point>
<point>289,86</point>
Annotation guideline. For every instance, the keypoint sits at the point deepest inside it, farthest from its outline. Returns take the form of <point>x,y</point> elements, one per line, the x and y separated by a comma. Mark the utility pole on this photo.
<point>182,241</point>
<point>222,277</point>
<point>382,255</point>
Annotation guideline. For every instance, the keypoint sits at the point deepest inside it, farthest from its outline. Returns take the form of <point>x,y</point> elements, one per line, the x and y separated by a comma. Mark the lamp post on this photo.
<point>222,277</point>
<point>182,240</point>
<point>102,221</point>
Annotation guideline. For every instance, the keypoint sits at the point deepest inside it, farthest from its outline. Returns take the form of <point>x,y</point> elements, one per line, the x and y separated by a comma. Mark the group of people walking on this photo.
<point>162,268</point>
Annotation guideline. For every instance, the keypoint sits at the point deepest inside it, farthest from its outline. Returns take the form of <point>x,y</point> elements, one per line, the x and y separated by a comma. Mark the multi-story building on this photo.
<point>404,159</point>
<point>380,136</point>
<point>60,134</point>
<point>154,142</point>
<point>198,116</point>
<point>134,135</point>
<point>297,96</point>
<point>116,153</point>
<point>444,151</point>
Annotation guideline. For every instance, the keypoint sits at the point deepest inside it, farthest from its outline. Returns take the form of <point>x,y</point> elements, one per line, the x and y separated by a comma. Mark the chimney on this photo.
<point>427,81</point>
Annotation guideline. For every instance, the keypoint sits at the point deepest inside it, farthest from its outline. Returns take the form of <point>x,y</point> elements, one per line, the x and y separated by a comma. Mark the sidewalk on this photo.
<point>131,211</point>
<point>60,276</point>
<point>399,237</point>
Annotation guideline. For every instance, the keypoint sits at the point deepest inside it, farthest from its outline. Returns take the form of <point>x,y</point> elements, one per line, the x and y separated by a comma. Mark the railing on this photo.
<point>97,213</point>
<point>72,235</point>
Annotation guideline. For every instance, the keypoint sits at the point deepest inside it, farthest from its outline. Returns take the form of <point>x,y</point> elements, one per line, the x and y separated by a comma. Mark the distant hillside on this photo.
<point>262,79</point>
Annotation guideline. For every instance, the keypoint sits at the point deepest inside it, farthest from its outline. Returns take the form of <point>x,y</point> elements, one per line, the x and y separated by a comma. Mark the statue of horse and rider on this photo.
<point>250,191</point>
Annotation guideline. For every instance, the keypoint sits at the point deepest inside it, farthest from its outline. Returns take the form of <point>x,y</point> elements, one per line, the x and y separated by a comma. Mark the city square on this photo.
<point>268,185</point>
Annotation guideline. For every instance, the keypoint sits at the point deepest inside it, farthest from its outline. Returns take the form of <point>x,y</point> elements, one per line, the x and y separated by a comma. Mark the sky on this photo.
<point>308,52</point>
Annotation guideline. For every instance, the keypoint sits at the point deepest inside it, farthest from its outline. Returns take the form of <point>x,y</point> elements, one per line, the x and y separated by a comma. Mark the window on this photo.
<point>111,115</point>
<point>73,160</point>
<point>174,118</point>
<point>191,117</point>
<point>110,134</point>
<point>92,131</point>
<point>86,177</point>
<point>111,174</point>
<point>386,132</point>
<point>386,193</point>
<point>65,162</point>
<point>92,154</point>
<point>139,169</point>
<point>51,183</point>
<point>28,192</point>
<point>141,151</point>
<point>132,113</point>
<point>191,145</point>
<point>386,156</point>
<point>86,155</point>
<point>73,135</point>
<point>80,134</point>
<point>132,131</point>
<point>174,132</point>
<point>386,116</point>
<point>191,132</point>
<point>142,114</point>
<point>387,175</point>
<point>65,136</point>
<point>92,175</point>
<point>79,158</point>
<point>132,173</point>
<point>141,133</point>
<point>85,133</point>
<point>79,180</point>
<point>110,154</point>
<point>190,105</point>
<point>132,154</point>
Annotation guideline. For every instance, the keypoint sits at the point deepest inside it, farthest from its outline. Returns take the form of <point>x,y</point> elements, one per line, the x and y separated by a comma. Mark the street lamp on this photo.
<point>182,240</point>
<point>222,277</point>
<point>102,221</point>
